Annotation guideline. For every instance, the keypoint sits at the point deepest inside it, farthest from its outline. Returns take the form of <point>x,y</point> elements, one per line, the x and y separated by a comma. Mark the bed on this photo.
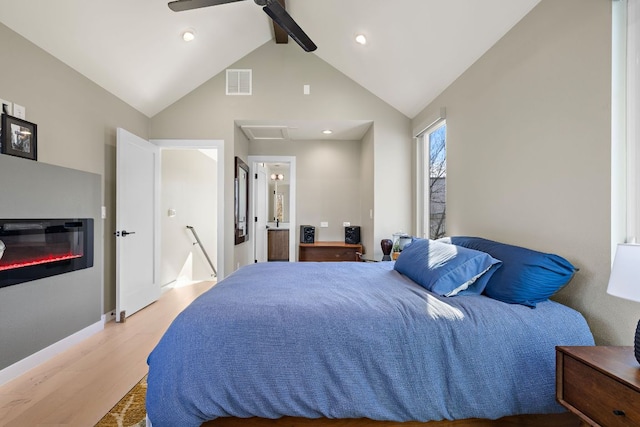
<point>357,343</point>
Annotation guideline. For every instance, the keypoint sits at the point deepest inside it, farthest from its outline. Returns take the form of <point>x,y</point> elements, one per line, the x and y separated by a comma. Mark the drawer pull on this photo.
<point>618,412</point>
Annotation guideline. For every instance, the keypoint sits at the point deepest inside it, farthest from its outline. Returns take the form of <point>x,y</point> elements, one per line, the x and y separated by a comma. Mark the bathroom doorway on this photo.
<point>274,208</point>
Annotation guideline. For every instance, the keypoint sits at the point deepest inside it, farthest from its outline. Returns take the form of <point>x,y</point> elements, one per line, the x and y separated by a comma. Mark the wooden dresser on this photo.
<point>599,384</point>
<point>329,251</point>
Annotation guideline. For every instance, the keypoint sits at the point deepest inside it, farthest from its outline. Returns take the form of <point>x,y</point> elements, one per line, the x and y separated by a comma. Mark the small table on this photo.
<point>600,384</point>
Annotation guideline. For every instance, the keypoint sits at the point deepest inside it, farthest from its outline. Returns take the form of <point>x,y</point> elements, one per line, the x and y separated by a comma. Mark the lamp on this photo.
<point>624,281</point>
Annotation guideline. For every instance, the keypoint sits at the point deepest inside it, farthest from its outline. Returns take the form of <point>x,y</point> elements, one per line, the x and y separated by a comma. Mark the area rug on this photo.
<point>130,411</point>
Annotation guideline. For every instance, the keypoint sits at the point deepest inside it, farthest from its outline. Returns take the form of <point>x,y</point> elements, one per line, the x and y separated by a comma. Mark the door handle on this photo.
<point>125,233</point>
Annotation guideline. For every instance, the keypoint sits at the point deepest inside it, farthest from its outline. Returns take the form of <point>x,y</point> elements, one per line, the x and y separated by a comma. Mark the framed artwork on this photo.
<point>19,138</point>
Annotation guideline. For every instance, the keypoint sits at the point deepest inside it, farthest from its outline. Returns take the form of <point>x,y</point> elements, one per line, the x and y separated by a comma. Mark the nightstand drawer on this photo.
<point>603,399</point>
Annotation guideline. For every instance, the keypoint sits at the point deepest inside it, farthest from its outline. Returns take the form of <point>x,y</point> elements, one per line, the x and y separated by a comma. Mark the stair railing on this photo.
<point>199,243</point>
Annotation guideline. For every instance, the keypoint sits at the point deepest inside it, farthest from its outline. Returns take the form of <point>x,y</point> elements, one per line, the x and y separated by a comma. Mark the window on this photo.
<point>625,125</point>
<point>432,186</point>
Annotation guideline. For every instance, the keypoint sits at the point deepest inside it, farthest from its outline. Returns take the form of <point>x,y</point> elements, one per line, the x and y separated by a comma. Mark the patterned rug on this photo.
<point>130,411</point>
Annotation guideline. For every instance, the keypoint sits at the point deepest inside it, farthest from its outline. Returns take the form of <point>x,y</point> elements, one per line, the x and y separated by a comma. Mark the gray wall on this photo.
<point>189,185</point>
<point>77,122</point>
<point>279,73</point>
<point>529,141</point>
<point>36,314</point>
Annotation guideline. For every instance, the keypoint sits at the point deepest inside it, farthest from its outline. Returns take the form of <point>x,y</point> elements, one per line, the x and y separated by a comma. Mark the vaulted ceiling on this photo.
<point>134,49</point>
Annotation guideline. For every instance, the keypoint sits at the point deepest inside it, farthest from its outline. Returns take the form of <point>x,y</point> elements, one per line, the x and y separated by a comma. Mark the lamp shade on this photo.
<point>624,281</point>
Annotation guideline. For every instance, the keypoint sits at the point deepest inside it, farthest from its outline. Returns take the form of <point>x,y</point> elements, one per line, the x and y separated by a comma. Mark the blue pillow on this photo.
<point>527,277</point>
<point>445,269</point>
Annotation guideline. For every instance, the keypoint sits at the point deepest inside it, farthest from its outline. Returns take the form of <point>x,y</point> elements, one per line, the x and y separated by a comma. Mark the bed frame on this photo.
<point>565,419</point>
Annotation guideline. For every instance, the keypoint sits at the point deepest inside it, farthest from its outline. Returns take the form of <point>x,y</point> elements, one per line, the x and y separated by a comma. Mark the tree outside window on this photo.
<point>437,181</point>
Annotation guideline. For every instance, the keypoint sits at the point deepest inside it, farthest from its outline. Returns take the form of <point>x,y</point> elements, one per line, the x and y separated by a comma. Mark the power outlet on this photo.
<point>9,106</point>
<point>346,224</point>
<point>324,224</point>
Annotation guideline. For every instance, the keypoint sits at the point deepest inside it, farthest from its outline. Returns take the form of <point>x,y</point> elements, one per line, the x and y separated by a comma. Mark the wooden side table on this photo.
<point>599,384</point>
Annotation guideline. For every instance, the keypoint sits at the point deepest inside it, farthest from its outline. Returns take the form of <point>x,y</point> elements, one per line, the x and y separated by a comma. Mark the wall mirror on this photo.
<point>241,201</point>
<point>278,175</point>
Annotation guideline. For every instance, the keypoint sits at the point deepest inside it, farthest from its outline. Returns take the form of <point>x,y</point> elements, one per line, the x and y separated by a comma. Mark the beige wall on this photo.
<point>279,73</point>
<point>77,122</point>
<point>189,185</point>
<point>328,182</point>
<point>529,137</point>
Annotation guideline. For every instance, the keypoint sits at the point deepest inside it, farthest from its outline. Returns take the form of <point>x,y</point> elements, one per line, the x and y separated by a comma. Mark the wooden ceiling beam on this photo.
<point>281,35</point>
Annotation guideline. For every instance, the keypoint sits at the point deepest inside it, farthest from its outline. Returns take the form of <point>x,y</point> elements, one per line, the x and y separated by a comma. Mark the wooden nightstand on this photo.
<point>599,384</point>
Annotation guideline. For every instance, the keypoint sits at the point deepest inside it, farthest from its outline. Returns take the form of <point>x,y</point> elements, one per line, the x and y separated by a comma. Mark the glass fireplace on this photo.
<point>32,249</point>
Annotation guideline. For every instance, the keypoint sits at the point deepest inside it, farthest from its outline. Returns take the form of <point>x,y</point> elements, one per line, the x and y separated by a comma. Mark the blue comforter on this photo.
<point>353,340</point>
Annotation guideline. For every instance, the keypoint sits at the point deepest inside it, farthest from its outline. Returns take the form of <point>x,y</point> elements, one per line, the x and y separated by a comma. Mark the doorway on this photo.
<point>273,206</point>
<point>192,212</point>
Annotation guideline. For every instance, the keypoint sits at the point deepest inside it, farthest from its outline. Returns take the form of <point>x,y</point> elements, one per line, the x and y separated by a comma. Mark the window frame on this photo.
<point>625,129</point>
<point>423,199</point>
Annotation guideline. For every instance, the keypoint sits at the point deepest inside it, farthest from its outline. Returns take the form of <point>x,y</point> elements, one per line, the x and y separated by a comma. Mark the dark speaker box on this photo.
<point>352,234</point>
<point>307,234</point>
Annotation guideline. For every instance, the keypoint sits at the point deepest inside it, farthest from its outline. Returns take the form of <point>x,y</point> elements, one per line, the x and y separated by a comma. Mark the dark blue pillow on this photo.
<point>527,277</point>
<point>445,269</point>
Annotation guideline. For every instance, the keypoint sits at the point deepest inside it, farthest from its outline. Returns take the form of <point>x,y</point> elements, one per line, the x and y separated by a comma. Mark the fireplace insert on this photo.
<point>32,249</point>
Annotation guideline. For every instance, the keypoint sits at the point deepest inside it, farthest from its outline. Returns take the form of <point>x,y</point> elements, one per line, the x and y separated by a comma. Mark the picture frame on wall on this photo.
<point>19,137</point>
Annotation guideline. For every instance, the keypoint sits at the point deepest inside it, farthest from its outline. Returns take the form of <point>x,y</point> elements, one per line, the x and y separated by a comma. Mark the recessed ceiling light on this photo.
<point>188,35</point>
<point>361,39</point>
<point>327,131</point>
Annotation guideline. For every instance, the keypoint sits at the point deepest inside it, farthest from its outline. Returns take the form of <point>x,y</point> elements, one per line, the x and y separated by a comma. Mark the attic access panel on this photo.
<point>266,133</point>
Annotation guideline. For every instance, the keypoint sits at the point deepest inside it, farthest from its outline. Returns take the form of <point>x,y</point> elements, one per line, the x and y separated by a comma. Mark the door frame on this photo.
<point>291,160</point>
<point>198,144</point>
<point>260,238</point>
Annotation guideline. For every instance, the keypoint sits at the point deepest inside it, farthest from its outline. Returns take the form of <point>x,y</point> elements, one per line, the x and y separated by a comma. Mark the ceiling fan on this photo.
<point>273,8</point>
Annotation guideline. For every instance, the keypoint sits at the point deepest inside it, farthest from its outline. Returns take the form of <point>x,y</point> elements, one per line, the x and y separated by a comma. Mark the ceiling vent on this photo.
<point>238,82</point>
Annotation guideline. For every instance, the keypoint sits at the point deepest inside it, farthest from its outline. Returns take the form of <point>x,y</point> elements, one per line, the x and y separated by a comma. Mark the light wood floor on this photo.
<point>79,386</point>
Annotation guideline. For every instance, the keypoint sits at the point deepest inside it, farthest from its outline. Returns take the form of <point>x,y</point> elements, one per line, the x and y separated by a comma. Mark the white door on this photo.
<point>137,219</point>
<point>260,190</point>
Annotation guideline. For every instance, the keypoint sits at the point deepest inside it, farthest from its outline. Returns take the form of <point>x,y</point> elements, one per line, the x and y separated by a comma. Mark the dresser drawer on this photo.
<point>601,398</point>
<point>328,254</point>
<point>329,251</point>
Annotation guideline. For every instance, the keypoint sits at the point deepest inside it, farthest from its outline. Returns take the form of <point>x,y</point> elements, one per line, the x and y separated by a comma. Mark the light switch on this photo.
<point>306,89</point>
<point>19,111</point>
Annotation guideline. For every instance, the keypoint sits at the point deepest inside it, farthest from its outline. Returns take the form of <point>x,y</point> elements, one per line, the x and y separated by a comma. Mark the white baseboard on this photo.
<point>108,317</point>
<point>22,366</point>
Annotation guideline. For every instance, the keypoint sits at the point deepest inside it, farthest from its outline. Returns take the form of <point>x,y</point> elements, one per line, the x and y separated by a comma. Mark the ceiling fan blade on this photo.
<point>286,22</point>
<point>180,5</point>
